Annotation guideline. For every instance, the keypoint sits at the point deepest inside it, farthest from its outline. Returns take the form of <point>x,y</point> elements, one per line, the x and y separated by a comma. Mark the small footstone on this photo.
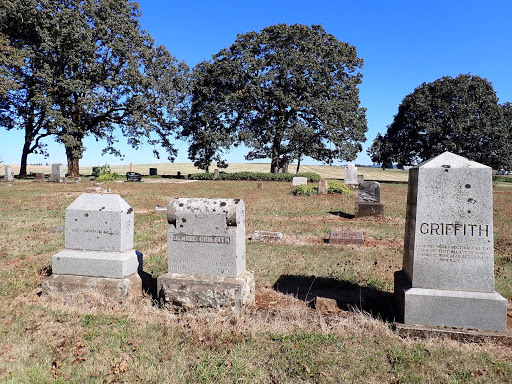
<point>342,237</point>
<point>267,236</point>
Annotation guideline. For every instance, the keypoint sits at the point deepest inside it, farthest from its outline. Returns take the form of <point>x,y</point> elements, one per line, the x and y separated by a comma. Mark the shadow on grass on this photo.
<point>342,214</point>
<point>149,284</point>
<point>348,296</point>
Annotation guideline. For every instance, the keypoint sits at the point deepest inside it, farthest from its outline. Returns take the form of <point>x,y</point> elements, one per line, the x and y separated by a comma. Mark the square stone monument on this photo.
<point>351,176</point>
<point>57,175</point>
<point>98,248</point>
<point>447,278</point>
<point>368,200</point>
<point>206,255</point>
<point>9,176</point>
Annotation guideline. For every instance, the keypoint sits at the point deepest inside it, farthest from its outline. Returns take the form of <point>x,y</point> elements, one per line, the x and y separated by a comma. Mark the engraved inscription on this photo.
<point>201,239</point>
<point>96,231</point>
<point>455,229</point>
<point>452,253</point>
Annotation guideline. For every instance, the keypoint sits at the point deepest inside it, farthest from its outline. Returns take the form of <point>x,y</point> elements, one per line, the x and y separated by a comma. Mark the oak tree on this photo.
<point>461,115</point>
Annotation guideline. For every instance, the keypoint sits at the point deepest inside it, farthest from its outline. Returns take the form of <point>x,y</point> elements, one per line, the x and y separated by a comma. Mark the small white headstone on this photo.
<point>299,181</point>
<point>351,174</point>
<point>57,174</point>
<point>9,176</point>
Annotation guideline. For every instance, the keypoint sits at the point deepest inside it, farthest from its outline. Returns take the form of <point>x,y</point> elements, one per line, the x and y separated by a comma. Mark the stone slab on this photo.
<point>206,237</point>
<point>267,236</point>
<point>39,177</point>
<point>115,265</point>
<point>344,237</point>
<point>183,291</point>
<point>369,209</point>
<point>8,175</point>
<point>299,181</point>
<point>461,309</point>
<point>133,176</point>
<point>323,187</point>
<point>57,175</point>
<point>351,174</point>
<point>99,222</point>
<point>129,287</point>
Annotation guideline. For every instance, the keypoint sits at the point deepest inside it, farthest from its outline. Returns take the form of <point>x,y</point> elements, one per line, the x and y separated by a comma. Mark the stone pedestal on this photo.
<point>447,277</point>
<point>57,175</point>
<point>200,291</point>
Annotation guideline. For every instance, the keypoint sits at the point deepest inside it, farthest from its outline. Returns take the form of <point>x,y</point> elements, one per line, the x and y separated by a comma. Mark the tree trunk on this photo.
<point>73,162</point>
<point>24,157</point>
<point>298,166</point>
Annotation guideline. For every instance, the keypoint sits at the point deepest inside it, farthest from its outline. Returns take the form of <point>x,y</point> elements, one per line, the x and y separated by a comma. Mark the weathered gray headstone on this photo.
<point>360,178</point>
<point>368,200</point>
<point>9,176</point>
<point>299,181</point>
<point>215,173</point>
<point>57,175</point>
<point>206,253</point>
<point>98,245</point>
<point>351,176</point>
<point>323,187</point>
<point>447,278</point>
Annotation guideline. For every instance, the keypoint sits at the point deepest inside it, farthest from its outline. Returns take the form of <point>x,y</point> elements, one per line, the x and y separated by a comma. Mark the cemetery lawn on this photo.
<point>87,338</point>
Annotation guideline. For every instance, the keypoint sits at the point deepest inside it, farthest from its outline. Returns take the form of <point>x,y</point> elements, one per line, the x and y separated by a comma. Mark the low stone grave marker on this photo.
<point>206,255</point>
<point>133,176</point>
<point>215,173</point>
<point>323,187</point>
<point>153,171</point>
<point>259,185</point>
<point>39,177</point>
<point>98,248</point>
<point>299,181</point>
<point>57,175</point>
<point>360,179</point>
<point>9,176</point>
<point>351,176</point>
<point>368,200</point>
<point>267,236</point>
<point>346,237</point>
<point>447,278</point>
<point>73,180</point>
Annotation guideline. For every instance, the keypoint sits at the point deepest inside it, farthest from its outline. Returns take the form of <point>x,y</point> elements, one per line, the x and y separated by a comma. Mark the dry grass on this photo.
<point>88,338</point>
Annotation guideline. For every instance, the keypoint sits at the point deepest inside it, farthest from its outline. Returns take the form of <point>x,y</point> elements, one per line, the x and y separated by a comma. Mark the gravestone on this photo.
<point>131,167</point>
<point>98,248</point>
<point>323,187</point>
<point>299,181</point>
<point>153,171</point>
<point>206,255</point>
<point>368,200</point>
<point>267,236</point>
<point>447,278</point>
<point>57,175</point>
<point>346,237</point>
<point>133,176</point>
<point>9,176</point>
<point>360,179</point>
<point>259,185</point>
<point>351,176</point>
<point>39,177</point>
<point>215,173</point>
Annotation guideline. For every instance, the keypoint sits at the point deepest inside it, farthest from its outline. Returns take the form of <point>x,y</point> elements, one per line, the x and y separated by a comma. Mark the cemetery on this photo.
<point>225,279</point>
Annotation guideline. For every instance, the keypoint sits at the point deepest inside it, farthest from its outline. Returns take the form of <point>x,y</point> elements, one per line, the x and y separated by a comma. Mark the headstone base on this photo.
<point>129,287</point>
<point>199,291</point>
<point>364,209</point>
<point>353,186</point>
<point>460,309</point>
<point>116,265</point>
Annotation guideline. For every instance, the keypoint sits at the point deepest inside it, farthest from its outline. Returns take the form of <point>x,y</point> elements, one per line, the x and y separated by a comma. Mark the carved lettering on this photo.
<point>181,237</point>
<point>455,229</point>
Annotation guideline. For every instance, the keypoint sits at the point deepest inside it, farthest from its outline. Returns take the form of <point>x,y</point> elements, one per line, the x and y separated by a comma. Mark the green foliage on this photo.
<point>460,115</point>
<point>104,173</point>
<point>305,190</point>
<point>288,91</point>
<point>257,176</point>
<point>502,179</point>
<point>334,186</point>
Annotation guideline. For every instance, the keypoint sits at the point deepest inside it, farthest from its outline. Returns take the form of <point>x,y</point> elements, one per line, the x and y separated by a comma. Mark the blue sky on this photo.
<point>403,44</point>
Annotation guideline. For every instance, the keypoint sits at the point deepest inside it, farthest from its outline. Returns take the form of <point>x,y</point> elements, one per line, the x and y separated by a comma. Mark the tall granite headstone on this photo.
<point>57,175</point>
<point>351,176</point>
<point>447,278</point>
<point>98,247</point>
<point>368,200</point>
<point>9,176</point>
<point>206,255</point>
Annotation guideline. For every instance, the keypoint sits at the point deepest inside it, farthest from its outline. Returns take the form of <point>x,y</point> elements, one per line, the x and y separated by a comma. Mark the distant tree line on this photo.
<point>70,69</point>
